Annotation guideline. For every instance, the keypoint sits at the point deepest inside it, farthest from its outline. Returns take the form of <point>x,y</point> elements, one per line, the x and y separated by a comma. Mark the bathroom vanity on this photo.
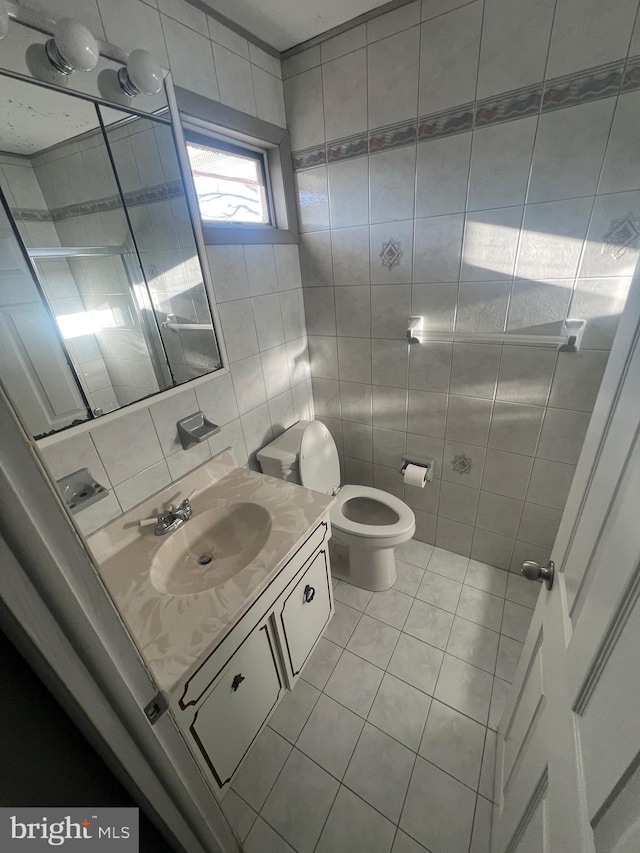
<point>226,632</point>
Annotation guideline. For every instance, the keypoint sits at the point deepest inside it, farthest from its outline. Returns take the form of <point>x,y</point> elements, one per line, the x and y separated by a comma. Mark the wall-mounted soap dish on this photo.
<point>194,429</point>
<point>80,490</point>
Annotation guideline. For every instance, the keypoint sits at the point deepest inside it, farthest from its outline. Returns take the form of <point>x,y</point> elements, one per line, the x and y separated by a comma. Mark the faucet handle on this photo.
<point>186,503</point>
<point>147,522</point>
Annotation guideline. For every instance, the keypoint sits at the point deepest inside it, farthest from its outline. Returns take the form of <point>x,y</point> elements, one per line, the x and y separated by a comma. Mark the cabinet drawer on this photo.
<point>227,722</point>
<point>305,612</point>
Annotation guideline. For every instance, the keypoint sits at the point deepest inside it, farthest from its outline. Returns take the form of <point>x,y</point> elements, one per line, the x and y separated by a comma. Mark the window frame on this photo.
<point>200,116</point>
<point>217,142</point>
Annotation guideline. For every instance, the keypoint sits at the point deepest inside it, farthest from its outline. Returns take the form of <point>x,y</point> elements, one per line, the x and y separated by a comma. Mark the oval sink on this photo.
<point>210,548</point>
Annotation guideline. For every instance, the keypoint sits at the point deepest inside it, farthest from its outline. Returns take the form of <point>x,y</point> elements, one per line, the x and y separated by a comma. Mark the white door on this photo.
<point>568,758</point>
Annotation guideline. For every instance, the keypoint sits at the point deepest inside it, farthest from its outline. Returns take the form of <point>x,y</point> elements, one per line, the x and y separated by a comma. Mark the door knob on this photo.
<point>535,572</point>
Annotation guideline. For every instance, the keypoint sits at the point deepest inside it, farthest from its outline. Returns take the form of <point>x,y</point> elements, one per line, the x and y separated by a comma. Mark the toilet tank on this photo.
<point>280,457</point>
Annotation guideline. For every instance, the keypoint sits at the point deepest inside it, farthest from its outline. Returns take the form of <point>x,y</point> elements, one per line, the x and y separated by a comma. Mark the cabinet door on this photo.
<point>227,722</point>
<point>305,612</point>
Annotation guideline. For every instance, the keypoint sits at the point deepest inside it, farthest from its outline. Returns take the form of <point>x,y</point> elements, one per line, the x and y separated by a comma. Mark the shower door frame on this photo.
<point>150,329</point>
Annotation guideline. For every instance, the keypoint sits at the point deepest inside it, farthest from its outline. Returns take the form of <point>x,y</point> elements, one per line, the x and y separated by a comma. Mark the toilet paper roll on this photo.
<point>415,475</point>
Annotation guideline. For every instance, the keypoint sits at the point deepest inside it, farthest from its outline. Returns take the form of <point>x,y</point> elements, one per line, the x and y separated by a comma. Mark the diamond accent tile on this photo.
<point>462,464</point>
<point>391,254</point>
<point>622,235</point>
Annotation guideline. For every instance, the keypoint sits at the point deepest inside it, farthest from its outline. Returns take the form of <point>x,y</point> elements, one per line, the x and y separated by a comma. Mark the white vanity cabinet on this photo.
<point>225,703</point>
<point>303,613</point>
<point>234,711</point>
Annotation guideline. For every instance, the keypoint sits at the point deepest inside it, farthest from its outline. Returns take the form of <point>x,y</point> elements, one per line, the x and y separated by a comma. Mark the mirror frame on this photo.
<point>167,114</point>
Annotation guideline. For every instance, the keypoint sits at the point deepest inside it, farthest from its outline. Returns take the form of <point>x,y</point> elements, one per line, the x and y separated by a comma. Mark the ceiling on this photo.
<point>35,118</point>
<point>285,23</point>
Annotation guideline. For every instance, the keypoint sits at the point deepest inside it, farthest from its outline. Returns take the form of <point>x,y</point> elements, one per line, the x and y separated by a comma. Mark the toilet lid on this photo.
<point>319,466</point>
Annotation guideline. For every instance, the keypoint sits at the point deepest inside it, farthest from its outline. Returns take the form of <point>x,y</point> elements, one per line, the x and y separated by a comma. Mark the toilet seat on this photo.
<point>370,535</point>
<point>369,522</point>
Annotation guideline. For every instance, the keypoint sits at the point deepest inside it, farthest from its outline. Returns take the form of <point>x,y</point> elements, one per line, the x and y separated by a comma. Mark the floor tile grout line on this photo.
<point>259,811</point>
<point>484,753</point>
<point>366,719</point>
<point>393,675</point>
<point>352,751</point>
<point>415,752</point>
<point>333,802</point>
<point>455,613</point>
<point>254,819</point>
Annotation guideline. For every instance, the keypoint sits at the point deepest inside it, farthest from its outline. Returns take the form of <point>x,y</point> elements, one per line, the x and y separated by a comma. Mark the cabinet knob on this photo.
<point>237,681</point>
<point>309,593</point>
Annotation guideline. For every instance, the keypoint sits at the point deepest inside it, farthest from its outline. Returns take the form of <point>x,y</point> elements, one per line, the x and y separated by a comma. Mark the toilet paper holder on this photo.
<point>422,463</point>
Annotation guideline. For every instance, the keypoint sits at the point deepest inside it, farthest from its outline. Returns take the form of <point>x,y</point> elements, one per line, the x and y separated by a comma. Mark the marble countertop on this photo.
<point>173,632</point>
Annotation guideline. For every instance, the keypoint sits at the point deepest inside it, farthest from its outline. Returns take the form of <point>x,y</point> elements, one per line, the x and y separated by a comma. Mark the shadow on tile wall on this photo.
<point>445,169</point>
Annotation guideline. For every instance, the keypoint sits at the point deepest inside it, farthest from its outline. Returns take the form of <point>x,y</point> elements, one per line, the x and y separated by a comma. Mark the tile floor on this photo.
<point>386,745</point>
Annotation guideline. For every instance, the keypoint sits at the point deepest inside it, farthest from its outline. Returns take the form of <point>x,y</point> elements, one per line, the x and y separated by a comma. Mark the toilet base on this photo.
<point>367,568</point>
<point>372,568</point>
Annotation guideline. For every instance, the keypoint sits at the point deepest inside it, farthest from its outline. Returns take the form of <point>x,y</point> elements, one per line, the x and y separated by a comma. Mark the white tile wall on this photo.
<point>209,59</point>
<point>265,392</point>
<point>499,229</point>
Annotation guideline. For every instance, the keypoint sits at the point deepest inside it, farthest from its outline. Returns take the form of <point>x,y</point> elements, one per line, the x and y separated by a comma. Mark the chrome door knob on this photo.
<point>535,572</point>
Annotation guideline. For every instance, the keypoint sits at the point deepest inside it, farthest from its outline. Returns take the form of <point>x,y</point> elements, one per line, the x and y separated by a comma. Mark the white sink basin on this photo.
<point>210,548</point>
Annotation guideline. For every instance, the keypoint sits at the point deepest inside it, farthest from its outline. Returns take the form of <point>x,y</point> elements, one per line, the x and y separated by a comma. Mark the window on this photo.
<point>242,176</point>
<point>230,181</point>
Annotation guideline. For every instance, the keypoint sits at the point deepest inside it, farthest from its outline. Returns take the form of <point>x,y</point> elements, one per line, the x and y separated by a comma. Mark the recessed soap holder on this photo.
<point>195,428</point>
<point>80,490</point>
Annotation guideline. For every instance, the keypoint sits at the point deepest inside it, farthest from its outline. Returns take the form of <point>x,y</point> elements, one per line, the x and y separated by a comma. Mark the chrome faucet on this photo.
<point>173,518</point>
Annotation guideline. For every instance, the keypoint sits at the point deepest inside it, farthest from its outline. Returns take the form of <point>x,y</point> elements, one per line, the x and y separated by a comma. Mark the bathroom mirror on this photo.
<point>102,295</point>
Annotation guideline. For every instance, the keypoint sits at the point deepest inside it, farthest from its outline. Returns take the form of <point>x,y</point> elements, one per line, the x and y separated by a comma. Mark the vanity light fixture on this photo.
<point>72,47</point>
<point>4,19</point>
<point>141,74</point>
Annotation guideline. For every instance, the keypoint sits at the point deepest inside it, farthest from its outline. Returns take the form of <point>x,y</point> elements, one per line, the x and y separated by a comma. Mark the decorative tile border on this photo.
<point>148,195</point>
<point>448,123</point>
<point>590,85</point>
<point>29,214</point>
<point>346,149</point>
<point>315,156</point>
<point>602,81</point>
<point>519,103</point>
<point>631,79</point>
<point>393,136</point>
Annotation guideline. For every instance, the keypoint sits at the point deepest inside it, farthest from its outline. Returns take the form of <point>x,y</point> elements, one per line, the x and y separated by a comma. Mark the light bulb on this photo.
<point>141,74</point>
<point>72,47</point>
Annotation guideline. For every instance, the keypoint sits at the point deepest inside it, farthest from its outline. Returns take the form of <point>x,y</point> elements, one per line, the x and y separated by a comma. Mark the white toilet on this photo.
<point>369,522</point>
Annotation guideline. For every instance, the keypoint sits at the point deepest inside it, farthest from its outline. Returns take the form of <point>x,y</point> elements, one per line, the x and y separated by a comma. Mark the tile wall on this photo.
<point>257,288</point>
<point>266,389</point>
<point>447,168</point>
<point>146,162</point>
<point>203,55</point>
<point>73,176</point>
<point>23,191</point>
